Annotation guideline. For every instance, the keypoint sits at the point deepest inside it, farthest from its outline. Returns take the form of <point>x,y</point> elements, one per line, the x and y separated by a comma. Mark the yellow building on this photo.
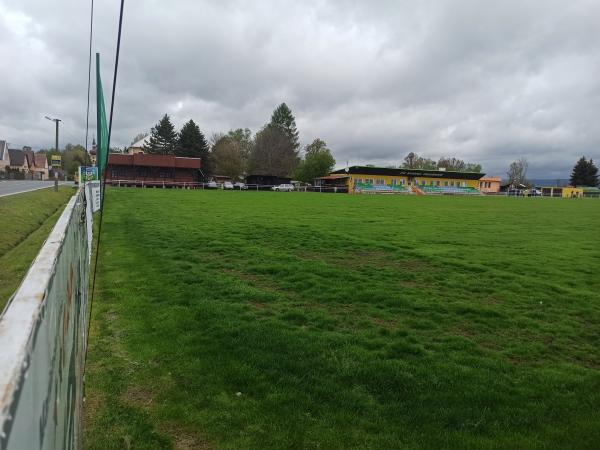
<point>565,192</point>
<point>359,179</point>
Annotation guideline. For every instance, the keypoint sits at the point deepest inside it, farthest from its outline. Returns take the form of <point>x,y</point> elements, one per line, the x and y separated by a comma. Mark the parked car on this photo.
<point>211,185</point>
<point>228,185</point>
<point>240,186</point>
<point>283,188</point>
<point>534,192</point>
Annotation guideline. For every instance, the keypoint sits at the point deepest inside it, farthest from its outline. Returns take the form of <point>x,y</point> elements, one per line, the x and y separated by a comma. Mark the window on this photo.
<point>380,181</point>
<point>359,180</point>
<point>431,183</point>
<point>445,183</point>
<point>369,180</point>
<point>394,182</point>
<point>165,173</point>
<point>423,182</point>
<point>439,183</point>
<point>402,182</point>
<point>119,172</point>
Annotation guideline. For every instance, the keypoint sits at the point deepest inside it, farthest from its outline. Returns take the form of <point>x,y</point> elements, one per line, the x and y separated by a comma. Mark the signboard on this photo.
<point>93,193</point>
<point>56,161</point>
<point>87,173</point>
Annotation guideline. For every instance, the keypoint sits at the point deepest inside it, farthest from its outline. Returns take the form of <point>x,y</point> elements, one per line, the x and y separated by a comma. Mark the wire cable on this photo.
<point>112,105</point>
<point>87,115</point>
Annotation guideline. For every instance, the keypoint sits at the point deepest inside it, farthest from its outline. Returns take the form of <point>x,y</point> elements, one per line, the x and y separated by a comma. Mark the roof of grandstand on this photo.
<point>367,170</point>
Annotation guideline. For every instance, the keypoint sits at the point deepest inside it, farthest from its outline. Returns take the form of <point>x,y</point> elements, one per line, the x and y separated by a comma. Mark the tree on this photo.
<point>282,117</point>
<point>410,161</point>
<point>473,167</point>
<point>243,137</point>
<point>317,162</point>
<point>585,173</point>
<point>517,172</point>
<point>139,137</point>
<point>273,153</point>
<point>414,161</point>
<point>163,138</point>
<point>227,157</point>
<point>191,142</point>
<point>457,165</point>
<point>74,156</point>
<point>451,164</point>
<point>427,164</point>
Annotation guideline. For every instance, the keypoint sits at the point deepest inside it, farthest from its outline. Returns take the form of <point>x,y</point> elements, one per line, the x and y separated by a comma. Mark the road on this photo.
<point>12,187</point>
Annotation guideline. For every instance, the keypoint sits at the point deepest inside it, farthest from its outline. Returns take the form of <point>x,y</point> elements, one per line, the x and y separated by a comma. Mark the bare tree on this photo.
<point>273,153</point>
<point>517,172</point>
<point>451,164</point>
<point>414,161</point>
<point>411,161</point>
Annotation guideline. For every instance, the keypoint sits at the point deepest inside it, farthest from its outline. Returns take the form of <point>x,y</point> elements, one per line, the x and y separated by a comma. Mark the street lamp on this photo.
<point>55,173</point>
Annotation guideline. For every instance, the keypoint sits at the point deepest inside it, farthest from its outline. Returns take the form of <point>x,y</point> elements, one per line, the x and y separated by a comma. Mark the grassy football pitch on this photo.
<point>245,320</point>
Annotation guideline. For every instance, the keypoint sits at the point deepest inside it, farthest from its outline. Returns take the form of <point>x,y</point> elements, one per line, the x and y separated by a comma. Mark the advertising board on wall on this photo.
<point>87,173</point>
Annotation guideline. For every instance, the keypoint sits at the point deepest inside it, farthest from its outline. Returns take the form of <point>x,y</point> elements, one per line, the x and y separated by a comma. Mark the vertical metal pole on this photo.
<point>56,173</point>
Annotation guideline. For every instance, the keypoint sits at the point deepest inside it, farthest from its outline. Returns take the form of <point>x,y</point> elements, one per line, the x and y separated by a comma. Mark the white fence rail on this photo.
<point>42,341</point>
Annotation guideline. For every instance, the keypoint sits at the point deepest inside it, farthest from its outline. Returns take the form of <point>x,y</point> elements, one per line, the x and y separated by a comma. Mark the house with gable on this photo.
<point>4,158</point>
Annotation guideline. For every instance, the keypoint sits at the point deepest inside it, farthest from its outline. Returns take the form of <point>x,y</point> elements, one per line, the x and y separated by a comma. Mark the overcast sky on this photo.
<point>486,81</point>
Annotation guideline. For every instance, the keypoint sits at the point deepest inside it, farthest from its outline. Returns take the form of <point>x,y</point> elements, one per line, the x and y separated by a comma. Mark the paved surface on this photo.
<point>12,187</point>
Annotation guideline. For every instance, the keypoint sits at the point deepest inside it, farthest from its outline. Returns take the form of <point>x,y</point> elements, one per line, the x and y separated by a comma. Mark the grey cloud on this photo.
<point>484,81</point>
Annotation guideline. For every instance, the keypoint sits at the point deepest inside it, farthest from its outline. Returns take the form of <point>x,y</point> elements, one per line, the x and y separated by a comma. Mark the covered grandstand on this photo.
<point>367,179</point>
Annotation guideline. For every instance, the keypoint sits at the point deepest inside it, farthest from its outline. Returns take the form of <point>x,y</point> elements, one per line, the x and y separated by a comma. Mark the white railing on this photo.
<point>43,332</point>
<point>215,186</point>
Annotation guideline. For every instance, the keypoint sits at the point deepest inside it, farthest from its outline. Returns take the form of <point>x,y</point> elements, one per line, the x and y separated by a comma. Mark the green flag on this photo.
<point>102,128</point>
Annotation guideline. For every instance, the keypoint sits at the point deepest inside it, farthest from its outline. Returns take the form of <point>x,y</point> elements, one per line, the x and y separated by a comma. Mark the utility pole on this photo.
<point>56,121</point>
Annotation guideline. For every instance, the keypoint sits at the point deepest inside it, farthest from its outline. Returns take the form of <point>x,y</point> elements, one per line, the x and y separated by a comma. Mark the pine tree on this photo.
<point>191,142</point>
<point>163,138</point>
<point>283,117</point>
<point>585,173</point>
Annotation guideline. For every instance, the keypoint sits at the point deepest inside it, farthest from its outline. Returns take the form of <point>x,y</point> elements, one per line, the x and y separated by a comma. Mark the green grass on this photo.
<point>266,321</point>
<point>25,222</point>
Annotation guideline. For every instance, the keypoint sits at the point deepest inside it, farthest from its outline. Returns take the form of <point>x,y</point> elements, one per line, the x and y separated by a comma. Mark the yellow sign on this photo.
<point>55,160</point>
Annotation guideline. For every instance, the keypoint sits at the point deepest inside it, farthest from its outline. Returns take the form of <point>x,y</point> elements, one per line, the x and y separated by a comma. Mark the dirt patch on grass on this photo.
<point>138,396</point>
<point>370,258</point>
<point>388,324</point>
<point>184,438</point>
<point>241,275</point>
<point>409,284</point>
<point>261,283</point>
<point>492,300</point>
<point>464,332</point>
<point>91,407</point>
